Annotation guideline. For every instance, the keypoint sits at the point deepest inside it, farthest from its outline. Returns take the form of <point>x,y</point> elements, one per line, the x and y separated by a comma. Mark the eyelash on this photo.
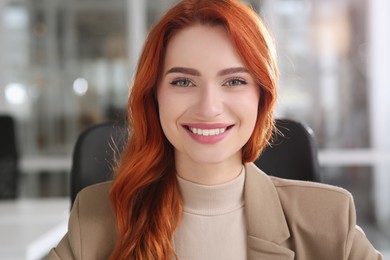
<point>239,80</point>
<point>227,83</point>
<point>177,81</point>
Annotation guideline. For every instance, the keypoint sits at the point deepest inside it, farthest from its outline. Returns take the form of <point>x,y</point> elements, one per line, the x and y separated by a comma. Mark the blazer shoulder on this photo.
<point>322,199</point>
<point>92,225</point>
<point>101,188</point>
<point>320,218</point>
<point>93,202</point>
<point>295,188</point>
<point>307,187</point>
<point>317,210</point>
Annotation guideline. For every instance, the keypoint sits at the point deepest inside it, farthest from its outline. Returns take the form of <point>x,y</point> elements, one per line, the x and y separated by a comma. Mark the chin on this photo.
<point>213,159</point>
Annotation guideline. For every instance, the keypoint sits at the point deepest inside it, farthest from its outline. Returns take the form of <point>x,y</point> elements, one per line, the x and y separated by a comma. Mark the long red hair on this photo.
<point>145,193</point>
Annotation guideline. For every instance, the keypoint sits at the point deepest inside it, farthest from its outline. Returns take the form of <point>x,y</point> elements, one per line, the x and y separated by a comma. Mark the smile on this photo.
<point>207,132</point>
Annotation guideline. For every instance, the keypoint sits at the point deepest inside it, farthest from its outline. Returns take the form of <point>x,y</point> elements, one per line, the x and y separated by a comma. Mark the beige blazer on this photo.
<point>285,220</point>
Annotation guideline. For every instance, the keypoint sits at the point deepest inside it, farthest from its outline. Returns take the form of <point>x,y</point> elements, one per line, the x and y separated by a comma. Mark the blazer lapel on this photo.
<point>267,228</point>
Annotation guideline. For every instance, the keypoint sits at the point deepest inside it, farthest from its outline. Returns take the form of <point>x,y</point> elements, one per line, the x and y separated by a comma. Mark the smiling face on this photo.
<point>207,99</point>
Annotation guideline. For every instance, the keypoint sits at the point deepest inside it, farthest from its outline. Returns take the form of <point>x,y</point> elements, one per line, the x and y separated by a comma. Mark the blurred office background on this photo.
<point>65,65</point>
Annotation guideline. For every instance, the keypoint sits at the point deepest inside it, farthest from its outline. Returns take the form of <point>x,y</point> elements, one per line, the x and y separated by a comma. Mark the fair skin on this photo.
<point>207,103</point>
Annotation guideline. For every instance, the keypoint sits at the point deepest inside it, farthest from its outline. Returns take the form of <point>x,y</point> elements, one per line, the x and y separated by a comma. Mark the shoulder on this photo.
<point>308,206</point>
<point>303,191</point>
<point>320,218</point>
<point>323,213</point>
<point>92,225</point>
<point>97,193</point>
<point>315,209</point>
<point>94,206</point>
<point>311,191</point>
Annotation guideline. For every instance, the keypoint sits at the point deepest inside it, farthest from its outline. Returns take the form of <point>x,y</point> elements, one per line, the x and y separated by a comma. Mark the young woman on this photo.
<point>200,110</point>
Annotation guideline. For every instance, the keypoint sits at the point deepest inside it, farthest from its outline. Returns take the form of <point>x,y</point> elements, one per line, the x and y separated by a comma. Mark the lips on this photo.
<point>207,133</point>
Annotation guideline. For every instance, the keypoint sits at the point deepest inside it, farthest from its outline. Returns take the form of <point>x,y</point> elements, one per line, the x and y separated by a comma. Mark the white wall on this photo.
<point>379,100</point>
<point>136,29</point>
<point>2,59</point>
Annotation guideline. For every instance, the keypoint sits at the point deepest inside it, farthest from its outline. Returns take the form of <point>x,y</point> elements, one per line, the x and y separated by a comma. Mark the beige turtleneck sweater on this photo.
<point>213,221</point>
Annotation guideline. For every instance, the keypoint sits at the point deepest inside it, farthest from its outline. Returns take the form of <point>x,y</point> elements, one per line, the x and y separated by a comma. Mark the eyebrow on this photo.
<point>195,72</point>
<point>184,70</point>
<point>232,71</point>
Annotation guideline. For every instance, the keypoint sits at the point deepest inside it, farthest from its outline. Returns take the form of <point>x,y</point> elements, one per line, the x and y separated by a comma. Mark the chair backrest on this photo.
<point>292,154</point>
<point>94,155</point>
<point>8,158</point>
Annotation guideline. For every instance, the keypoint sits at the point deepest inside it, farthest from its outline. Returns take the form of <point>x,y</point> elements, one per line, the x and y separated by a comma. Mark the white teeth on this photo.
<point>207,132</point>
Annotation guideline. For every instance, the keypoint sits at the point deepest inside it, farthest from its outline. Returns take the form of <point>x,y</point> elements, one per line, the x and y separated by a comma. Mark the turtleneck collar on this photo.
<point>212,200</point>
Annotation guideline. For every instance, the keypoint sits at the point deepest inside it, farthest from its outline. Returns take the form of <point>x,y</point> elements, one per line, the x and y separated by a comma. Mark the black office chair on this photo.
<point>94,155</point>
<point>292,154</point>
<point>9,172</point>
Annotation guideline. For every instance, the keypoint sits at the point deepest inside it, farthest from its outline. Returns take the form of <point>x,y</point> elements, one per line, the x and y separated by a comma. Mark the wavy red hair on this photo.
<point>145,193</point>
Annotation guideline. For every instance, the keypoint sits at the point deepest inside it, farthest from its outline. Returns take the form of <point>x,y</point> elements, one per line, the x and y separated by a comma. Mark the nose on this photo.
<point>210,102</point>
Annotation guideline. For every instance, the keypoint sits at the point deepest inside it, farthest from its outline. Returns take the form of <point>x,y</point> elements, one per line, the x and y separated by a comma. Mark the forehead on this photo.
<point>201,45</point>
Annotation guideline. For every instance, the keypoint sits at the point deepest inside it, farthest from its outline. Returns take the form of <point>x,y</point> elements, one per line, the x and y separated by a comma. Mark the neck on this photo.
<point>208,174</point>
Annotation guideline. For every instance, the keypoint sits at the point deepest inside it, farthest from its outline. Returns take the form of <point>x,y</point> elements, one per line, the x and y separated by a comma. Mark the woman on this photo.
<point>201,109</point>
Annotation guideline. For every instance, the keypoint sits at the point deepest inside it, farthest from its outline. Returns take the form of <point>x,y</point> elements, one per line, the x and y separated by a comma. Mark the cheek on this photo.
<point>169,111</point>
<point>248,112</point>
<point>172,104</point>
<point>254,106</point>
<point>247,105</point>
<point>163,108</point>
<point>253,101</point>
<point>251,113</point>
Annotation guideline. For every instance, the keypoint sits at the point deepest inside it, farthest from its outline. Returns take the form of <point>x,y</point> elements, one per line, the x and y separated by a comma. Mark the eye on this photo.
<point>185,83</point>
<point>234,82</point>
